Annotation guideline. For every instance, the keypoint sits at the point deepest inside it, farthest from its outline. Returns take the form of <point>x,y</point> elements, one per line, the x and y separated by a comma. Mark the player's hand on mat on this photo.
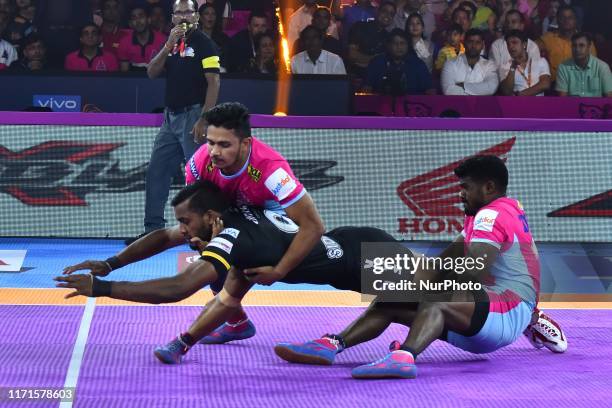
<point>199,131</point>
<point>83,284</point>
<point>264,275</point>
<point>96,268</point>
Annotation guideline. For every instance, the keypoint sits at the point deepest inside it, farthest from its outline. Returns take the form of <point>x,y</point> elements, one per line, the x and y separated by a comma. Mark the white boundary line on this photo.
<point>72,376</point>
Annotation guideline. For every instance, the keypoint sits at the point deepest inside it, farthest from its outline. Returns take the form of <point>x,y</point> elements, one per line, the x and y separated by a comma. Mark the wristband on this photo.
<point>100,287</point>
<point>113,262</point>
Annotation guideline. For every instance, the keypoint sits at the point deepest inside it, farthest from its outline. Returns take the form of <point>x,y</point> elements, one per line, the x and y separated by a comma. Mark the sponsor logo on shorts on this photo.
<point>232,232</point>
<point>334,250</point>
<point>221,243</point>
<point>281,184</point>
<point>433,197</point>
<point>485,220</point>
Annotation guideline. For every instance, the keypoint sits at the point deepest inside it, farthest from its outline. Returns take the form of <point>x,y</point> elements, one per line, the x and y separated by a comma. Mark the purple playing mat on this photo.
<point>119,368</point>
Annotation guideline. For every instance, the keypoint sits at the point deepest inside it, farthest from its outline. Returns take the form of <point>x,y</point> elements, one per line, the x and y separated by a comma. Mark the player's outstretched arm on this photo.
<point>147,246</point>
<point>165,290</point>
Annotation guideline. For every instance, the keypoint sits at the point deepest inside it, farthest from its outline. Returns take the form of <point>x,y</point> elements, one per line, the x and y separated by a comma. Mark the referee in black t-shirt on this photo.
<point>191,61</point>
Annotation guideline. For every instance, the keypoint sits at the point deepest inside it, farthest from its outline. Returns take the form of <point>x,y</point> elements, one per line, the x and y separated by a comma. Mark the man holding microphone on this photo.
<point>191,61</point>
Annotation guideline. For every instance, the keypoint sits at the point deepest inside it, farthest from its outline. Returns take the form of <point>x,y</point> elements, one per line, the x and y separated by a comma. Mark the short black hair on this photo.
<point>387,3</point>
<point>232,116</point>
<point>139,7</point>
<point>516,34</point>
<point>454,28</point>
<point>30,39</point>
<point>474,32</point>
<point>583,34</point>
<point>266,34</point>
<point>458,10</point>
<point>517,12</point>
<point>259,13</point>
<point>565,8</point>
<point>88,24</point>
<point>485,168</point>
<point>320,34</point>
<point>204,195</point>
<point>397,32</point>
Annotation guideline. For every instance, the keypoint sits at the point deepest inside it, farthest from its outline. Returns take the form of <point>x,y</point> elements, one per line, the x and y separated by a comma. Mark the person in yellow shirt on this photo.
<point>452,48</point>
<point>557,46</point>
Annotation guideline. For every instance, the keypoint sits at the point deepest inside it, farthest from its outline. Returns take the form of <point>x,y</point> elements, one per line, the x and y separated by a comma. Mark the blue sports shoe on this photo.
<point>320,351</point>
<point>397,364</point>
<point>173,352</point>
<point>230,332</point>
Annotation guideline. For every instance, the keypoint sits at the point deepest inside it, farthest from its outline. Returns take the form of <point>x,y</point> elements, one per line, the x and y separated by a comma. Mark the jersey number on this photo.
<point>281,222</point>
<point>524,221</point>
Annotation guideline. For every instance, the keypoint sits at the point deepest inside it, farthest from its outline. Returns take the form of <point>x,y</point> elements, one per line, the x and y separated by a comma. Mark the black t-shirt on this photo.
<point>185,81</point>
<point>253,237</point>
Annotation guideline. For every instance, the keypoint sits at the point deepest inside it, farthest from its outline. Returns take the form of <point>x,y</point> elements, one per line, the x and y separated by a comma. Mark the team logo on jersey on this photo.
<point>334,250</point>
<point>281,184</point>
<point>254,173</point>
<point>232,232</point>
<point>485,220</point>
<point>210,167</point>
<point>434,199</point>
<point>221,243</point>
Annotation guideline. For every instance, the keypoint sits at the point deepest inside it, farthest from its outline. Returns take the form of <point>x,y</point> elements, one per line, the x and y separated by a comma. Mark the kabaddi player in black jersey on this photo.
<point>252,237</point>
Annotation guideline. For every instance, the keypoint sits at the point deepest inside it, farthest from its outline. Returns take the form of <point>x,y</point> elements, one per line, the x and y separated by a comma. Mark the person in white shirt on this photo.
<point>498,52</point>
<point>470,73</point>
<point>302,18</point>
<point>523,76</point>
<point>424,49</point>
<point>316,60</point>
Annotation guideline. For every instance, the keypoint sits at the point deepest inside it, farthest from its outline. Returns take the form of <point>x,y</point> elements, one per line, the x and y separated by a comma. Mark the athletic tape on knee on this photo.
<point>227,299</point>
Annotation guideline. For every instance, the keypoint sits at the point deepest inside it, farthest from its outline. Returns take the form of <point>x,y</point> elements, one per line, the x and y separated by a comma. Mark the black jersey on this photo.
<point>254,237</point>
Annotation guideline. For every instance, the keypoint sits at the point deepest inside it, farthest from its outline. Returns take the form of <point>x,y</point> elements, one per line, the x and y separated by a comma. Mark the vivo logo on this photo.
<point>58,103</point>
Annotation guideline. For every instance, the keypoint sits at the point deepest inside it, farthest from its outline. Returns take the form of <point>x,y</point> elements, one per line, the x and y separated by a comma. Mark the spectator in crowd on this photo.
<point>8,54</point>
<point>452,48</point>
<point>264,61</point>
<point>91,57</point>
<point>33,55</point>
<point>463,19</point>
<point>158,20</point>
<point>112,34</point>
<point>522,75</point>
<point>223,12</point>
<point>499,49</point>
<point>485,17</point>
<point>549,23</point>
<point>316,60</point>
<point>136,50</point>
<point>367,39</point>
<point>584,74</point>
<point>557,46</point>
<point>471,9</point>
<point>302,18</point>
<point>361,11</point>
<point>8,7</point>
<point>397,71</point>
<point>321,19</point>
<point>242,47</point>
<point>503,7</point>
<point>4,21</point>
<point>209,24</point>
<point>459,17</point>
<point>470,73</point>
<point>23,23</point>
<point>413,7</point>
<point>423,48</point>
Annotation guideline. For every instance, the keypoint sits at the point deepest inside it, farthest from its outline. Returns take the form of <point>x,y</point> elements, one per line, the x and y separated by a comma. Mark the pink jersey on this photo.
<point>265,180</point>
<point>515,274</point>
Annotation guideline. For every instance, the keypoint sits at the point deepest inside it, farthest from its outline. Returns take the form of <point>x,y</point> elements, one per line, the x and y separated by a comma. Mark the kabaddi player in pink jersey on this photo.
<point>478,321</point>
<point>248,172</point>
